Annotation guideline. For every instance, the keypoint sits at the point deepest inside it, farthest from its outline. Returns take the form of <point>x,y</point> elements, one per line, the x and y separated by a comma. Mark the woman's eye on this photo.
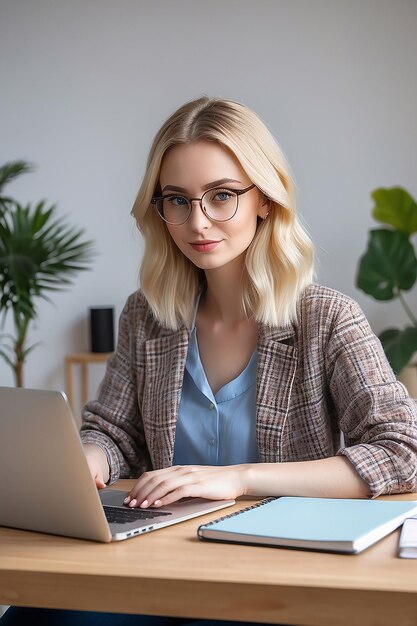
<point>177,201</point>
<point>222,196</point>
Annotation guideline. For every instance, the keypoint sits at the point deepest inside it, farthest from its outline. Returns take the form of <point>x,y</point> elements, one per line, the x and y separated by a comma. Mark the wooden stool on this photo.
<point>84,359</point>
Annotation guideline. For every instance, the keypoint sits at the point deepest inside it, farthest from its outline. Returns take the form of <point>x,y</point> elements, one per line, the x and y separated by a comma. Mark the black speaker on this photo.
<point>102,329</point>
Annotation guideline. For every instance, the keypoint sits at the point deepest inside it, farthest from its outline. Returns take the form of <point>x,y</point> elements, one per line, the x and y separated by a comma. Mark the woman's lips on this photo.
<point>204,246</point>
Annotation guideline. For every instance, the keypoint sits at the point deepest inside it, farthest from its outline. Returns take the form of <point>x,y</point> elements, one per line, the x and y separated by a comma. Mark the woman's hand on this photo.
<point>96,471</point>
<point>97,462</point>
<point>162,487</point>
<point>333,477</point>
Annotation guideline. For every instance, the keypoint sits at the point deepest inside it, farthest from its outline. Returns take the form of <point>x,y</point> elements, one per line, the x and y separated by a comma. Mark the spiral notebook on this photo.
<point>325,524</point>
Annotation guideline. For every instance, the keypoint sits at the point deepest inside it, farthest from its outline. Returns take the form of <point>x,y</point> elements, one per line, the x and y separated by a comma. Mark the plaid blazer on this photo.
<point>325,374</point>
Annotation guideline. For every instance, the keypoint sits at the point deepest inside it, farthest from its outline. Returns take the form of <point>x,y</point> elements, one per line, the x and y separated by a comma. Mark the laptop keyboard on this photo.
<point>117,515</point>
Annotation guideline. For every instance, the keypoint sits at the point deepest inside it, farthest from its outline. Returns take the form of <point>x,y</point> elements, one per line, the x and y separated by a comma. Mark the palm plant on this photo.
<point>39,253</point>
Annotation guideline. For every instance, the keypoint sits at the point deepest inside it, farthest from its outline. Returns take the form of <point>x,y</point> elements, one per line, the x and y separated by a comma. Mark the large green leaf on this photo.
<point>395,206</point>
<point>388,265</point>
<point>399,346</point>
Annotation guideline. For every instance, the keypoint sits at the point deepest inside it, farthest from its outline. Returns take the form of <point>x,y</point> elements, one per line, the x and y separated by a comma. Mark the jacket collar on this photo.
<point>285,334</point>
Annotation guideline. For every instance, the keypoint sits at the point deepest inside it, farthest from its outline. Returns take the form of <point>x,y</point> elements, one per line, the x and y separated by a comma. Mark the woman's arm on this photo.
<point>97,462</point>
<point>375,413</point>
<point>112,423</point>
<point>333,477</point>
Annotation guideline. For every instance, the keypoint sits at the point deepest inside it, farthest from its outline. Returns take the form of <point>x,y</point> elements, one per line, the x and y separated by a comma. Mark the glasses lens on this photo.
<point>220,204</point>
<point>174,209</point>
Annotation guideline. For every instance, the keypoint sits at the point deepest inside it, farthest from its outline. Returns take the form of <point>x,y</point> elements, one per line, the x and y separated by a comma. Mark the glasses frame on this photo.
<point>238,193</point>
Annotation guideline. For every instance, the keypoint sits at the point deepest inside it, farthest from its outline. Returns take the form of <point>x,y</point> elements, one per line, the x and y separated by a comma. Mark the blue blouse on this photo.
<point>216,429</point>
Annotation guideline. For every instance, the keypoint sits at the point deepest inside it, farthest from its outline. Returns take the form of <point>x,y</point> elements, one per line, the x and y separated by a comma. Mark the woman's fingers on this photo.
<point>153,488</point>
<point>152,476</point>
<point>100,484</point>
<point>165,486</point>
<point>185,491</point>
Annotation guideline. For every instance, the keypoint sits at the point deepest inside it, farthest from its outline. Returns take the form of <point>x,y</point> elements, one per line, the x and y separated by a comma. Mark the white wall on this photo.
<point>85,85</point>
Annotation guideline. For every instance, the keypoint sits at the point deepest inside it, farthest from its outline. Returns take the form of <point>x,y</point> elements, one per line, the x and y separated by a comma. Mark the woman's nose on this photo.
<point>198,219</point>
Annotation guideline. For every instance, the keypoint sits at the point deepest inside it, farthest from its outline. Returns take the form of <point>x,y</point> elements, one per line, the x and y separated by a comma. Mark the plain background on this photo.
<point>86,84</point>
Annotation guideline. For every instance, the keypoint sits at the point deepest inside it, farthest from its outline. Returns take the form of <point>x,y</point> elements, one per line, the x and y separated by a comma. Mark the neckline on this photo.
<point>233,388</point>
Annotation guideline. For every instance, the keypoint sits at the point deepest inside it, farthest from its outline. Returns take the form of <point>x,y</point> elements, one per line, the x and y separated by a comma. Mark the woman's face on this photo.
<point>192,169</point>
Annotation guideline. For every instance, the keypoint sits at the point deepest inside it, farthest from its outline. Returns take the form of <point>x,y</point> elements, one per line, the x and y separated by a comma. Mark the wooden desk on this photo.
<point>171,572</point>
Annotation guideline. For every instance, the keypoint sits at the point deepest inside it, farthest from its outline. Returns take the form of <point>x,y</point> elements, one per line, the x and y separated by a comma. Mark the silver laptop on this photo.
<point>45,482</point>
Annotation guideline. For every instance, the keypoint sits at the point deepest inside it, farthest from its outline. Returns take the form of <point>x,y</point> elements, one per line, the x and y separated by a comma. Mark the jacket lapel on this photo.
<point>165,359</point>
<point>277,365</point>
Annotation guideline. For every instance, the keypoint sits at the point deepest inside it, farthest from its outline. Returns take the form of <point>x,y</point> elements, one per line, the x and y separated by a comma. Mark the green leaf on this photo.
<point>29,349</point>
<point>38,253</point>
<point>399,346</point>
<point>396,207</point>
<point>388,265</point>
<point>7,359</point>
<point>9,348</point>
<point>6,336</point>
<point>12,169</point>
<point>40,217</point>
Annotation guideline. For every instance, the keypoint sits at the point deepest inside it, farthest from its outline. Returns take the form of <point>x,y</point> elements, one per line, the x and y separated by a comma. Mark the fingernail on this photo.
<point>127,500</point>
<point>157,502</point>
<point>133,503</point>
<point>144,504</point>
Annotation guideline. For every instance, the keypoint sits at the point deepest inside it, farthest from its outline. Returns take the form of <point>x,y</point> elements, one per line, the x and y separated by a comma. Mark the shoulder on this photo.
<point>136,304</point>
<point>321,300</point>
<point>320,296</point>
<point>325,310</point>
<point>138,315</point>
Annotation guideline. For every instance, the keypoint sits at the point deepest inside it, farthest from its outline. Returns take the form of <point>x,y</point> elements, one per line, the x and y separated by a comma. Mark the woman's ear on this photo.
<point>264,207</point>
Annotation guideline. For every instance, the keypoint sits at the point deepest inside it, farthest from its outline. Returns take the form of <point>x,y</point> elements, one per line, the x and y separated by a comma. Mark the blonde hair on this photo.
<point>279,260</point>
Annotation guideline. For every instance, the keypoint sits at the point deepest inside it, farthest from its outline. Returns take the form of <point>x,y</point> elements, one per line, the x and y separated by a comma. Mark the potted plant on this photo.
<point>388,268</point>
<point>39,253</point>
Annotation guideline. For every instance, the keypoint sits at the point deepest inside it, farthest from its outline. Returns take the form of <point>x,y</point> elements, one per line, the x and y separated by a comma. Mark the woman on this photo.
<point>235,374</point>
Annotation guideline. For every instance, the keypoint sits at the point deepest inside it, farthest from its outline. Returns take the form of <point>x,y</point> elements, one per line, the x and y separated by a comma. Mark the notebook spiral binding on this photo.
<point>248,508</point>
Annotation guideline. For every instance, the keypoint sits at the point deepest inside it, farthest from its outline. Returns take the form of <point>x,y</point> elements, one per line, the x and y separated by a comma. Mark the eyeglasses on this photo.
<point>219,205</point>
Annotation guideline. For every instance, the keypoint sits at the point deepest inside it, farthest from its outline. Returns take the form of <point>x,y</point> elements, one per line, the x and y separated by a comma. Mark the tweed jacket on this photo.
<point>323,375</point>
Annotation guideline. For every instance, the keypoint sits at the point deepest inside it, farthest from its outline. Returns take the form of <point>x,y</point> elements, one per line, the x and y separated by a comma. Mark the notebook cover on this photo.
<point>318,523</point>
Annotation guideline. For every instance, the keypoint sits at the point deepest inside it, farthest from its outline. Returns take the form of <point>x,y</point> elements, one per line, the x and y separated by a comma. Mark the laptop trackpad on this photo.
<point>112,497</point>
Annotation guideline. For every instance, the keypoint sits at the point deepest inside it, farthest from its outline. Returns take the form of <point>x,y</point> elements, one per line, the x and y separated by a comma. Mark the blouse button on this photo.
<point>211,406</point>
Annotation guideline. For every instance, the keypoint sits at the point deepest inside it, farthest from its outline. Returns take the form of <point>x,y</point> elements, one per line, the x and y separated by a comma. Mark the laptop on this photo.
<point>46,485</point>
